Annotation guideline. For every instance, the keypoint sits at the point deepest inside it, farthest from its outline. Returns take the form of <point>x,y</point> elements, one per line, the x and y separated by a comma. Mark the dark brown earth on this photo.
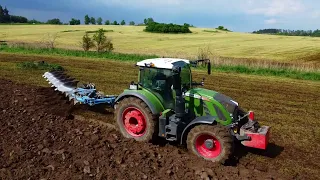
<point>40,141</point>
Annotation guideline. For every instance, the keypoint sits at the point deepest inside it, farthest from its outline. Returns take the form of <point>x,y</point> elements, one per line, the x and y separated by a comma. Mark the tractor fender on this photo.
<point>199,120</point>
<point>153,107</point>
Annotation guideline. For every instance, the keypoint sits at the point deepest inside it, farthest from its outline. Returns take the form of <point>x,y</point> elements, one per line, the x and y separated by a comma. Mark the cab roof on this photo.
<point>164,63</point>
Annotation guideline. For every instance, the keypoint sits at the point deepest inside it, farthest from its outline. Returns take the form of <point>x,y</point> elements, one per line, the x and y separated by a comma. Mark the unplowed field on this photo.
<point>39,140</point>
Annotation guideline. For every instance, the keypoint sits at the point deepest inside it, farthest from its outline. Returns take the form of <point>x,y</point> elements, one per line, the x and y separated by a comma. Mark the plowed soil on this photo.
<point>40,140</point>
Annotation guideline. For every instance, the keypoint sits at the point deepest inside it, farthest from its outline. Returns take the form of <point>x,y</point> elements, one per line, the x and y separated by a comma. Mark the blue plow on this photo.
<point>86,94</point>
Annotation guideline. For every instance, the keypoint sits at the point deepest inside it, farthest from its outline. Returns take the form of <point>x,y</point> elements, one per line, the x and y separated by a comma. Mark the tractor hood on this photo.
<point>210,95</point>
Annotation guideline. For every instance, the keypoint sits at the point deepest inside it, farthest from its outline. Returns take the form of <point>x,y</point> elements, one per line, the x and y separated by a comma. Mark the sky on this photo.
<point>236,15</point>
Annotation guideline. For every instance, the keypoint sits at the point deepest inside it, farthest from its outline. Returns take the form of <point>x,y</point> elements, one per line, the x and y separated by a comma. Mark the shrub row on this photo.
<point>167,28</point>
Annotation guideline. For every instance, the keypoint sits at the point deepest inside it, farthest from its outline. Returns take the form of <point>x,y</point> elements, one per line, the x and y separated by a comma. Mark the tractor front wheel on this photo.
<point>135,120</point>
<point>211,142</point>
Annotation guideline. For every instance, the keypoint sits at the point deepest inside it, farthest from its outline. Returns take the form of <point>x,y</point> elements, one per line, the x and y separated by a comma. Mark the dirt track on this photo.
<point>39,142</point>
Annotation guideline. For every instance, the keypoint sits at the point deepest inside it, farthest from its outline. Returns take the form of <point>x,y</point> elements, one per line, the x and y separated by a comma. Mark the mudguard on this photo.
<point>153,103</point>
<point>200,120</point>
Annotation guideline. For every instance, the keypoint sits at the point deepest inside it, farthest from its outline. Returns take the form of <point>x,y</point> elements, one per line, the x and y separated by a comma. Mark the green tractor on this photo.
<point>166,103</point>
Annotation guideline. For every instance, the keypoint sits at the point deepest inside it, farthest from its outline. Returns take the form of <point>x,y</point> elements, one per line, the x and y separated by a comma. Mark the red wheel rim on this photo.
<point>208,146</point>
<point>134,122</point>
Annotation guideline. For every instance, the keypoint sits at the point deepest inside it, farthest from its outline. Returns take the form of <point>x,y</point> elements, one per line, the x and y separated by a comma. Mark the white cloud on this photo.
<point>275,7</point>
<point>270,21</point>
<point>315,14</point>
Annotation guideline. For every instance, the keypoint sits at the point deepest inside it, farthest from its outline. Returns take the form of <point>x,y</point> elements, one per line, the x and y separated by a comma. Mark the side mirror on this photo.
<point>209,67</point>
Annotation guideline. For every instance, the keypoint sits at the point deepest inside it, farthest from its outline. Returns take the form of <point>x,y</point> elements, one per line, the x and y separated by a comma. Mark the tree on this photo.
<point>19,19</point>
<point>107,22</point>
<point>186,24</point>
<point>102,42</point>
<point>93,20</point>
<point>131,23</point>
<point>1,15</point>
<point>221,28</point>
<point>147,21</point>
<point>74,22</point>
<point>87,20</point>
<point>54,21</point>
<point>87,42</point>
<point>6,15</point>
<point>123,22</point>
<point>115,23</point>
<point>33,21</point>
<point>99,21</point>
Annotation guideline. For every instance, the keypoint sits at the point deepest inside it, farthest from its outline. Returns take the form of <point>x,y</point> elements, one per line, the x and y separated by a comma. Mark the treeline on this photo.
<point>315,33</point>
<point>5,17</point>
<point>99,21</point>
<point>167,28</point>
<point>152,26</point>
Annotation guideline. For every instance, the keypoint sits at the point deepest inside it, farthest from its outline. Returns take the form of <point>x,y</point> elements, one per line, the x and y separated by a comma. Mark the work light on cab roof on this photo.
<point>167,103</point>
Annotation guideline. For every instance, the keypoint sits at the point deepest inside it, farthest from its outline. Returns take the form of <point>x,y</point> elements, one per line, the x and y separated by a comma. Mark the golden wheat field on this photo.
<point>132,39</point>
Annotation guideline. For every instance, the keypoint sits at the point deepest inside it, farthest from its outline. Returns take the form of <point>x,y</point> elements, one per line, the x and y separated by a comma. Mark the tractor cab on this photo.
<point>157,76</point>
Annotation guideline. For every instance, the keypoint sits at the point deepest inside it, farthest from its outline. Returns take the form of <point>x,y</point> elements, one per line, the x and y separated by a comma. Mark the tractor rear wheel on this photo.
<point>211,142</point>
<point>135,119</point>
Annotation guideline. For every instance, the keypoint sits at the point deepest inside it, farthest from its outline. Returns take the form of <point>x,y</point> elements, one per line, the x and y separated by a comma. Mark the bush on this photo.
<point>87,42</point>
<point>49,40</point>
<point>102,43</point>
<point>167,28</point>
<point>204,53</point>
<point>221,28</point>
<point>40,66</point>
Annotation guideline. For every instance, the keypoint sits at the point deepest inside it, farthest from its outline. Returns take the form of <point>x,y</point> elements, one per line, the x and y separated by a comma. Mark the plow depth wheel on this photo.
<point>134,119</point>
<point>213,143</point>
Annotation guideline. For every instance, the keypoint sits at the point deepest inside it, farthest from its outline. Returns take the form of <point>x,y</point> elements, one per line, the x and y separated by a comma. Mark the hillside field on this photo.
<point>132,39</point>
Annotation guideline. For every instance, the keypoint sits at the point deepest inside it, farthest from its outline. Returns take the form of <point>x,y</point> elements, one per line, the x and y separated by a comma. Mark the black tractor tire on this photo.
<point>222,146</point>
<point>140,106</point>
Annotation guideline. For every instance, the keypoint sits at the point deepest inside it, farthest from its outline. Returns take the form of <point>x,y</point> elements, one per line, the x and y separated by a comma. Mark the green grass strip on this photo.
<point>315,76</point>
<point>39,66</point>
<point>76,53</point>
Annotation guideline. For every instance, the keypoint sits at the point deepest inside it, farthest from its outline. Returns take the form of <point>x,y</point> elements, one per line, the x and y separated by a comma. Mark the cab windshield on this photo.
<point>160,83</point>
